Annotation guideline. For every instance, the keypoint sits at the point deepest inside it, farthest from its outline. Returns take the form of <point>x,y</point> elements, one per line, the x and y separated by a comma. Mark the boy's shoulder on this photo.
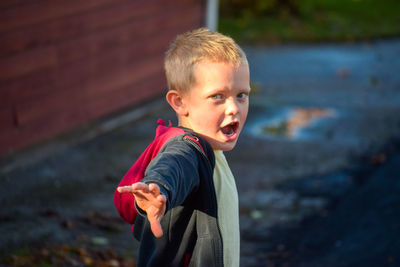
<point>165,134</point>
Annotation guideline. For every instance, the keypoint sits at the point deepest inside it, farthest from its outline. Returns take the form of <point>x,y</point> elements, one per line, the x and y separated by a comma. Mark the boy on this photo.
<point>187,200</point>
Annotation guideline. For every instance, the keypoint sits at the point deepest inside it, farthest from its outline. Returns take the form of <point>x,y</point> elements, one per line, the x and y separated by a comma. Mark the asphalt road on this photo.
<point>317,166</point>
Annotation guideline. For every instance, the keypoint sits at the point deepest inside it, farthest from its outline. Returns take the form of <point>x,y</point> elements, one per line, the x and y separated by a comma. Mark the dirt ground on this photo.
<point>317,169</point>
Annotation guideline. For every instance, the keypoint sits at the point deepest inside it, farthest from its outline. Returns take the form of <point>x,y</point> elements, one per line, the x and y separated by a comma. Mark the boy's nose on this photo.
<point>232,108</point>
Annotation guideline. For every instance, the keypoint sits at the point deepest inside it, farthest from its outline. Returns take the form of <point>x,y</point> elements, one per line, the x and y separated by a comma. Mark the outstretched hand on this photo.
<point>149,199</point>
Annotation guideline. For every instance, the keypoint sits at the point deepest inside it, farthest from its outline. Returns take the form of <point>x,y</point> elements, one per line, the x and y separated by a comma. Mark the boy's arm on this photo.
<point>174,170</point>
<point>150,200</point>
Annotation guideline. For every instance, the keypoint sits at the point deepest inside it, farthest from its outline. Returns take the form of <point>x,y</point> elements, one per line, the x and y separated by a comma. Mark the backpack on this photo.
<point>125,202</point>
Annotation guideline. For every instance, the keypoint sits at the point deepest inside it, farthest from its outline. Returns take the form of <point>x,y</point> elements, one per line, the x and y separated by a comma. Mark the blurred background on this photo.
<point>317,165</point>
<point>273,21</point>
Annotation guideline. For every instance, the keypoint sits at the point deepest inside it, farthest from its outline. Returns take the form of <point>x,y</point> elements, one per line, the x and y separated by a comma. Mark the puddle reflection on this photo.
<point>291,123</point>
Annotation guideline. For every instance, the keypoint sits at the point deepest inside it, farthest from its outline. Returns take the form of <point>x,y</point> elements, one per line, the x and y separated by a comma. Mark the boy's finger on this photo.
<point>162,199</point>
<point>156,228</point>
<point>126,189</point>
<point>141,186</point>
<point>133,188</point>
<point>155,189</point>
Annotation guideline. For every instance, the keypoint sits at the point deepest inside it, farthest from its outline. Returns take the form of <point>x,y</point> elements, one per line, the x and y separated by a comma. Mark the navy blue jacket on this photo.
<point>184,172</point>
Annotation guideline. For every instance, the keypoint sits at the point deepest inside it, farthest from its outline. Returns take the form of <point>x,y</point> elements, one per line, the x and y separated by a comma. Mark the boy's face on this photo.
<point>217,105</point>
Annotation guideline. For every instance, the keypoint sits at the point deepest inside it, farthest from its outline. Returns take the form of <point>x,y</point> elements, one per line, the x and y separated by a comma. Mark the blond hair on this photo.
<point>196,46</point>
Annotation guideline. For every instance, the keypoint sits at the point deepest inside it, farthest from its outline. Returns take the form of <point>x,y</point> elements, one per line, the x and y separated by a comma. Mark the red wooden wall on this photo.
<point>66,62</point>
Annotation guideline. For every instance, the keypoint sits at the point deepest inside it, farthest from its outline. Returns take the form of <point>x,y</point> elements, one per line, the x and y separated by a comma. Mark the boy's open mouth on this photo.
<point>230,129</point>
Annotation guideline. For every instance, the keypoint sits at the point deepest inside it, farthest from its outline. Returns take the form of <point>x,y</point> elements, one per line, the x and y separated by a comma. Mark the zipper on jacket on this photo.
<point>221,258</point>
<point>198,148</point>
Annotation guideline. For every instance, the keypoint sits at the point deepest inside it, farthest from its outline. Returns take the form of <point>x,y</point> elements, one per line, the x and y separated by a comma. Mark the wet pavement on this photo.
<point>317,166</point>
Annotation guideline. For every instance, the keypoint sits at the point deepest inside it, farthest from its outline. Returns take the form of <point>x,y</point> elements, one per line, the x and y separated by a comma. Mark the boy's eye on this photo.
<point>216,97</point>
<point>242,95</point>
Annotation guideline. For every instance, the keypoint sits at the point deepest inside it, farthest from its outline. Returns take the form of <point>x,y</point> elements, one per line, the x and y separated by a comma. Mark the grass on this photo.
<point>317,21</point>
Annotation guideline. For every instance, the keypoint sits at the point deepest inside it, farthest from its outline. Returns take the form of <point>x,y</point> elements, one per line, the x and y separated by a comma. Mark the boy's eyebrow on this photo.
<point>224,89</point>
<point>216,89</point>
<point>244,88</point>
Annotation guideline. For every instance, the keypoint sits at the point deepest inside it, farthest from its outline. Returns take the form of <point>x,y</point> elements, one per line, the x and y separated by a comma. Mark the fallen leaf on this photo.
<point>99,241</point>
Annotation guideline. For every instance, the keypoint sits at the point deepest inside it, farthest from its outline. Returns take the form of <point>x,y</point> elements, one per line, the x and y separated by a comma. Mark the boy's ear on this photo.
<point>175,100</point>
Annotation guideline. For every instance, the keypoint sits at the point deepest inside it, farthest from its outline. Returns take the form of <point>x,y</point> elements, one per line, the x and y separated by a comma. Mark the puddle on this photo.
<point>292,123</point>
